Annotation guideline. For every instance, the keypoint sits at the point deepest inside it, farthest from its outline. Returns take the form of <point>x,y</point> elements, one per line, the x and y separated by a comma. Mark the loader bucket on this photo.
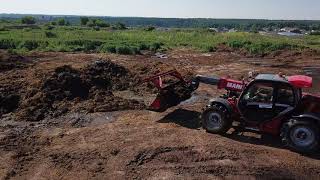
<point>172,94</point>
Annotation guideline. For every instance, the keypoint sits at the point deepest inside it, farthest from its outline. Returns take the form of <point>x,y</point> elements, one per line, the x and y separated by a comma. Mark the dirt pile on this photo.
<point>100,86</point>
<point>10,61</point>
<point>88,89</point>
<point>8,102</point>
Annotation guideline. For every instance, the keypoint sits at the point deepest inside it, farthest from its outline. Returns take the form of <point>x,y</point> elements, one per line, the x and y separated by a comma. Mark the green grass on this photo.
<point>69,39</point>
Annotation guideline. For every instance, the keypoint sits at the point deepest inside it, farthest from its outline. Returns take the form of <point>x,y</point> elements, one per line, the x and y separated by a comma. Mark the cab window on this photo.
<point>260,93</point>
<point>285,96</point>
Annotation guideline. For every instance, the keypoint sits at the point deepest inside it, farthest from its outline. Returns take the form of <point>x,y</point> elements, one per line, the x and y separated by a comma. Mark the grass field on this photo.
<point>69,39</point>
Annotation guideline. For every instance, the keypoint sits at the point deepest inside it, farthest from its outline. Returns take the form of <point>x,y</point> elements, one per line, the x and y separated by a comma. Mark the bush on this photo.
<point>143,46</point>
<point>29,45</point>
<point>238,44</point>
<point>61,22</point>
<point>315,33</point>
<point>127,50</point>
<point>84,21</point>
<point>49,27</point>
<point>83,45</point>
<point>3,28</point>
<point>96,28</point>
<point>28,20</point>
<point>209,49</point>
<point>108,48</point>
<point>123,50</point>
<point>97,23</point>
<point>150,28</point>
<point>8,44</point>
<point>101,23</point>
<point>155,46</point>
<point>49,34</point>
<point>27,29</point>
<point>119,26</point>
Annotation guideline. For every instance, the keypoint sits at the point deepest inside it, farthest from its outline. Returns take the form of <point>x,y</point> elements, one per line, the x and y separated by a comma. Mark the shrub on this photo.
<point>238,44</point>
<point>96,28</point>
<point>119,26</point>
<point>143,46</point>
<point>3,28</point>
<point>8,44</point>
<point>84,21</point>
<point>315,33</point>
<point>49,27</point>
<point>155,46</point>
<point>107,48</point>
<point>49,34</point>
<point>29,45</point>
<point>123,50</point>
<point>101,23</point>
<point>97,23</point>
<point>83,45</point>
<point>150,28</point>
<point>28,20</point>
<point>209,49</point>
<point>27,29</point>
<point>61,22</point>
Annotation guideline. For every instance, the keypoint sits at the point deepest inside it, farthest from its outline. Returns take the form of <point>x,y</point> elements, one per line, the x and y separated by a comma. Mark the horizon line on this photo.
<point>77,15</point>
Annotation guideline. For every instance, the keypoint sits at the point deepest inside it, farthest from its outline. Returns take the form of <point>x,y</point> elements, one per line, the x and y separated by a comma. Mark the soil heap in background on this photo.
<point>11,61</point>
<point>87,90</point>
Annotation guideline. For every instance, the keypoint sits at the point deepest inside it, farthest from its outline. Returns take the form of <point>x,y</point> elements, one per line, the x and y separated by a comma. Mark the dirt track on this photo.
<point>147,145</point>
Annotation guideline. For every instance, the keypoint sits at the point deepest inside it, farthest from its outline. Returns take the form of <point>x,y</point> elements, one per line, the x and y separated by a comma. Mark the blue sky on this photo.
<point>264,9</point>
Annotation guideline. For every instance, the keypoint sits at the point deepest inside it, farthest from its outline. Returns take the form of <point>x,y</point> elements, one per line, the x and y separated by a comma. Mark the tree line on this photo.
<point>122,22</point>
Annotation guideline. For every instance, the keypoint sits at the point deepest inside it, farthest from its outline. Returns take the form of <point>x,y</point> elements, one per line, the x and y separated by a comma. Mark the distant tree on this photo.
<point>91,24</point>
<point>61,22</point>
<point>84,21</point>
<point>150,28</point>
<point>97,23</point>
<point>101,23</point>
<point>28,20</point>
<point>53,23</point>
<point>50,34</point>
<point>254,29</point>
<point>120,26</point>
<point>316,33</point>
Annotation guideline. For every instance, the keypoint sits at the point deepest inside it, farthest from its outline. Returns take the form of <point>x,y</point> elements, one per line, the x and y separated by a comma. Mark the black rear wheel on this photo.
<point>301,136</point>
<point>215,119</point>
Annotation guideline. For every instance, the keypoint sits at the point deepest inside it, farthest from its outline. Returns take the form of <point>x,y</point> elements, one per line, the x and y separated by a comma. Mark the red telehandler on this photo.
<point>267,104</point>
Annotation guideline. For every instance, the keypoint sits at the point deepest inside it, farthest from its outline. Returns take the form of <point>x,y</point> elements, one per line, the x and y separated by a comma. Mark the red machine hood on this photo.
<point>300,81</point>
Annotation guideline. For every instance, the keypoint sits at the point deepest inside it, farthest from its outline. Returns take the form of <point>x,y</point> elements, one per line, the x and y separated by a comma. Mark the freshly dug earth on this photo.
<point>137,144</point>
<point>9,61</point>
<point>88,89</point>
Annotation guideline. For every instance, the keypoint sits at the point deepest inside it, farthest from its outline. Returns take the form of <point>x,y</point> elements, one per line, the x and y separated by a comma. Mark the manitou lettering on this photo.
<point>234,85</point>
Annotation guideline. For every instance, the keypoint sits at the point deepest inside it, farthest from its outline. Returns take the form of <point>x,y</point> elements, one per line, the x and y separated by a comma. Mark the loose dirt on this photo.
<point>66,116</point>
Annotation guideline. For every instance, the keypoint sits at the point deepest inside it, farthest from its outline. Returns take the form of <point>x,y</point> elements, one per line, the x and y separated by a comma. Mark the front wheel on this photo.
<point>301,136</point>
<point>215,120</point>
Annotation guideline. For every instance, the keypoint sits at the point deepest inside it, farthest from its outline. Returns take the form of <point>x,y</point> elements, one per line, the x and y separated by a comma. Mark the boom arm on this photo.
<point>222,83</point>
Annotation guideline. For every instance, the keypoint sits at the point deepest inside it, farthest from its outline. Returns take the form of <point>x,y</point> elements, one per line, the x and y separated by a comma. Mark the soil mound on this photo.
<point>91,88</point>
<point>88,89</point>
<point>9,62</point>
<point>8,103</point>
<point>108,75</point>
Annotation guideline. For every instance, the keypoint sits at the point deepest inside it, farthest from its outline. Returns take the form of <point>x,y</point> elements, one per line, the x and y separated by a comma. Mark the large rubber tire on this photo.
<point>301,136</point>
<point>215,119</point>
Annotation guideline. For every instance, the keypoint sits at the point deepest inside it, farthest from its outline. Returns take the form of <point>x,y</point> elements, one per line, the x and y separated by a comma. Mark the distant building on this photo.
<point>233,30</point>
<point>291,30</point>
<point>214,30</point>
